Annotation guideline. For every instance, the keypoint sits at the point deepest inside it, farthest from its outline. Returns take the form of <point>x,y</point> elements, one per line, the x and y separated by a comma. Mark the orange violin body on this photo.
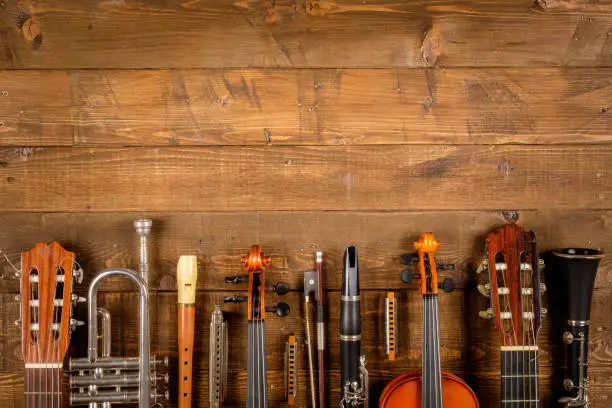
<point>405,392</point>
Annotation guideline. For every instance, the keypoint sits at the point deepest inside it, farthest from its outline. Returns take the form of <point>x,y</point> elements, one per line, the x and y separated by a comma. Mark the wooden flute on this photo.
<point>186,277</point>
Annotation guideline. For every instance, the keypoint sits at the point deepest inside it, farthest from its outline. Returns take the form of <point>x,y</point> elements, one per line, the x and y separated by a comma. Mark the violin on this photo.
<point>256,263</point>
<point>432,387</point>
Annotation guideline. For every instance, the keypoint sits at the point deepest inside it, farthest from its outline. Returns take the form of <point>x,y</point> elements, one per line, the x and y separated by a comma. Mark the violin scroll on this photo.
<point>256,261</point>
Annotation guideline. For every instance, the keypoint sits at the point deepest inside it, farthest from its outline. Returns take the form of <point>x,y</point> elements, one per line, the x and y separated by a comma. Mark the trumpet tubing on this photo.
<point>100,380</point>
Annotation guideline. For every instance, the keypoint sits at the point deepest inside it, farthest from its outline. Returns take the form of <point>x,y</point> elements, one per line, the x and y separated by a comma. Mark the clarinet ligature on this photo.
<point>576,269</point>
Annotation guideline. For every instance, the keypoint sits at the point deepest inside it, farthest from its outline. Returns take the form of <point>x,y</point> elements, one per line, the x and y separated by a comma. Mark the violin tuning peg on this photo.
<point>485,289</point>
<point>282,309</point>
<point>237,279</point>
<point>281,288</point>
<point>486,314</point>
<point>408,276</point>
<point>409,259</point>
<point>446,267</point>
<point>448,285</point>
<point>77,275</point>
<point>234,299</point>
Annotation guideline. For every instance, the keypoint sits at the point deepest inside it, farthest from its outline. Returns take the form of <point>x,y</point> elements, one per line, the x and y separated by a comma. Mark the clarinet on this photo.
<point>576,270</point>
<point>354,376</point>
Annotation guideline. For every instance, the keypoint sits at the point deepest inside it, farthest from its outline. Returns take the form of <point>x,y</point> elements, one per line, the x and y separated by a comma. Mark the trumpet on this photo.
<point>100,380</point>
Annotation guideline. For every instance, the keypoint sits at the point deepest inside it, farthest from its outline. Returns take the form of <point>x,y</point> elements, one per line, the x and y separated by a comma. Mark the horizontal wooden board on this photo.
<point>305,107</point>
<point>296,178</point>
<point>315,33</point>
<point>469,345</point>
<point>290,238</point>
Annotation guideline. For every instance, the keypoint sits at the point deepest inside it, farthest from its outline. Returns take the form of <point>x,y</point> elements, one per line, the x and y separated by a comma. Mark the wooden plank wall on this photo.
<point>306,125</point>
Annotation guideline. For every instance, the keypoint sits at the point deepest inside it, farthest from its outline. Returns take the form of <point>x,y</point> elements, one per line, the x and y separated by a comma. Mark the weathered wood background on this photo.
<point>305,125</point>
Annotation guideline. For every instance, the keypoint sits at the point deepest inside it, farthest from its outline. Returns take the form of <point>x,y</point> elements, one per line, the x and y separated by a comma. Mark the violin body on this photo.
<point>405,392</point>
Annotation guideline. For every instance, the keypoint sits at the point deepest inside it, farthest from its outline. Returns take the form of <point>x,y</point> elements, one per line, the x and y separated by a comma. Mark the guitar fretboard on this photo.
<point>519,377</point>
<point>43,387</point>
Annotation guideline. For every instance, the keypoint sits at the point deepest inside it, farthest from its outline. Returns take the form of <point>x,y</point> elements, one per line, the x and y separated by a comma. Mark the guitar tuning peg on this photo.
<point>544,310</point>
<point>234,299</point>
<point>77,275</point>
<point>18,323</point>
<point>17,275</point>
<point>485,289</point>
<point>482,267</point>
<point>543,287</point>
<point>282,309</point>
<point>486,314</point>
<point>18,298</point>
<point>237,279</point>
<point>448,285</point>
<point>541,264</point>
<point>75,323</point>
<point>408,276</point>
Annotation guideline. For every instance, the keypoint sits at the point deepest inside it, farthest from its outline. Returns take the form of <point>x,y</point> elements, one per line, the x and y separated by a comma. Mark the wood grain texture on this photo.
<point>219,240</point>
<point>305,107</point>
<point>317,178</point>
<point>315,33</point>
<point>469,345</point>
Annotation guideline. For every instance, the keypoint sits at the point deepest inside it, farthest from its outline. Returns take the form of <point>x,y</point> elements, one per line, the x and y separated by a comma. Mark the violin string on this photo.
<point>438,356</point>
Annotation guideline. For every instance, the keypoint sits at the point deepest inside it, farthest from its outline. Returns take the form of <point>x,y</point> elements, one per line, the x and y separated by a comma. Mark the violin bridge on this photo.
<point>291,370</point>
<point>390,326</point>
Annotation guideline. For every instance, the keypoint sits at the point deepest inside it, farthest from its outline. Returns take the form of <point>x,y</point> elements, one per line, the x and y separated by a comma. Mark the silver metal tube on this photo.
<point>144,392</point>
<point>143,228</point>
<point>119,363</point>
<point>106,335</point>
<point>110,380</point>
<point>126,397</point>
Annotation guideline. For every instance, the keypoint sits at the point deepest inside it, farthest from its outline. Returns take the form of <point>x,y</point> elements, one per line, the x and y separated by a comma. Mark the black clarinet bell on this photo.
<point>282,309</point>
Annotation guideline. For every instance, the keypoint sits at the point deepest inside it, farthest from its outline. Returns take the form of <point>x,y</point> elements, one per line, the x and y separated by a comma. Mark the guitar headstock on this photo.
<point>514,285</point>
<point>46,302</point>
<point>256,263</point>
<point>426,267</point>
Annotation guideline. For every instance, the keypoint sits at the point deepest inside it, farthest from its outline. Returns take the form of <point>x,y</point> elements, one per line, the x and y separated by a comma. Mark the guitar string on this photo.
<point>533,362</point>
<point>521,370</point>
<point>507,305</point>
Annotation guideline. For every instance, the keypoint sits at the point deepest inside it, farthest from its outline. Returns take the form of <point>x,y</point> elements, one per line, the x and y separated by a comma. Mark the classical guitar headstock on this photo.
<point>47,276</point>
<point>256,263</point>
<point>426,267</point>
<point>514,285</point>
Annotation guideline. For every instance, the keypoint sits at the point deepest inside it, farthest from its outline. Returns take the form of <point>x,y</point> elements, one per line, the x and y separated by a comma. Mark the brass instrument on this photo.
<point>217,375</point>
<point>100,380</point>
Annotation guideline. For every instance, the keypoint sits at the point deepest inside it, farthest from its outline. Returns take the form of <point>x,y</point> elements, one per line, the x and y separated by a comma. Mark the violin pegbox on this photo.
<point>422,266</point>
